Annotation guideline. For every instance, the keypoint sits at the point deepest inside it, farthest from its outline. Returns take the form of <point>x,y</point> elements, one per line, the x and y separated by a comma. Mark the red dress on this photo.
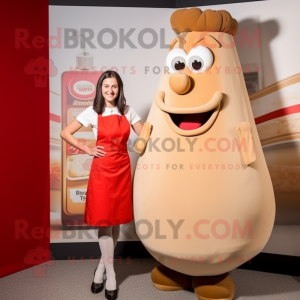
<point>109,190</point>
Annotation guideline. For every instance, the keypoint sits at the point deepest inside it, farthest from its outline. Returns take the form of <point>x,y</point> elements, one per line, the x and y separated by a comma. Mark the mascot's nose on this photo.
<point>180,83</point>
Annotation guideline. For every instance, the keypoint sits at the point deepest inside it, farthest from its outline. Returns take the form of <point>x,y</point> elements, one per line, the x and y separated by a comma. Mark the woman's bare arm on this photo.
<point>67,135</point>
<point>137,127</point>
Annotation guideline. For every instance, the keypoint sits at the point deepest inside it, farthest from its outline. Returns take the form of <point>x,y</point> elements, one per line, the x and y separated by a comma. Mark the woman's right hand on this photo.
<point>96,151</point>
<point>67,135</point>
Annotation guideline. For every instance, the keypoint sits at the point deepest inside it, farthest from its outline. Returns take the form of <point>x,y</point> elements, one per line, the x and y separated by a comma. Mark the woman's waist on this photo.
<point>113,145</point>
<point>110,160</point>
<point>115,155</point>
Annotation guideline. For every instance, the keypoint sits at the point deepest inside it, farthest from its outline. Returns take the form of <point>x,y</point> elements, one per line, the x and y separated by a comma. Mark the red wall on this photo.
<point>24,136</point>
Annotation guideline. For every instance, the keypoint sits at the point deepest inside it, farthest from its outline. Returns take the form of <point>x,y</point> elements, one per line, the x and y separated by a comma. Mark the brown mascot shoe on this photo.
<point>219,287</point>
<point>166,279</point>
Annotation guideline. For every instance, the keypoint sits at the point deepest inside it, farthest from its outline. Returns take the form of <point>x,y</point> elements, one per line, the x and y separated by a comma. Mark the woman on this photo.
<point>109,194</point>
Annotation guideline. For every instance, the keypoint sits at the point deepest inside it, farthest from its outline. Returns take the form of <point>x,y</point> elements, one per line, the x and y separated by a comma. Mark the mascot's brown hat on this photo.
<point>194,19</point>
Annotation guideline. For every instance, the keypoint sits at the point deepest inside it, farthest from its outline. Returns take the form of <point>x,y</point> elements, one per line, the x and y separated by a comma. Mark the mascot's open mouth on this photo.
<point>190,120</point>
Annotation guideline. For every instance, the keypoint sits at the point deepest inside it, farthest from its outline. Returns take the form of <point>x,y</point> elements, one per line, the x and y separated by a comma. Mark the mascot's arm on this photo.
<point>143,138</point>
<point>246,142</point>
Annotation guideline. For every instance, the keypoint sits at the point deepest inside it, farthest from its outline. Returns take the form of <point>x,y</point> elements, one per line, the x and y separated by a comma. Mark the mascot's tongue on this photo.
<point>192,121</point>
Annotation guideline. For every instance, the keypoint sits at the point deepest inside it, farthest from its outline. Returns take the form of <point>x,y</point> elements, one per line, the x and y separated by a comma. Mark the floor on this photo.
<point>72,279</point>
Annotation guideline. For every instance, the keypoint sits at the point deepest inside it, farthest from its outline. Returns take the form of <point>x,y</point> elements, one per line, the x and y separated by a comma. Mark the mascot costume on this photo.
<point>202,194</point>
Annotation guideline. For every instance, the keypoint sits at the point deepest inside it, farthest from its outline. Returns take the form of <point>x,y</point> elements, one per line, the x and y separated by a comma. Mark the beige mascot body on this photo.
<point>192,173</point>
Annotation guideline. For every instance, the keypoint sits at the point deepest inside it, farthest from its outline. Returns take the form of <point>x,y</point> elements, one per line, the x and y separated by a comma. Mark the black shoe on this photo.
<point>97,287</point>
<point>111,295</point>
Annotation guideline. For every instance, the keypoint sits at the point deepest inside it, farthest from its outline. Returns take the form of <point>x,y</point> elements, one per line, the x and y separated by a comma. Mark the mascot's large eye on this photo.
<point>199,59</point>
<point>176,60</point>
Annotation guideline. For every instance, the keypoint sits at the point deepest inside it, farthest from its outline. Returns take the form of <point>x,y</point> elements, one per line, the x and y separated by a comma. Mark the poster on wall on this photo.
<point>136,48</point>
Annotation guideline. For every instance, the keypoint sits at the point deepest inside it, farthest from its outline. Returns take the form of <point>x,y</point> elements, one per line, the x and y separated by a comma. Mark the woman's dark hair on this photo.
<point>99,101</point>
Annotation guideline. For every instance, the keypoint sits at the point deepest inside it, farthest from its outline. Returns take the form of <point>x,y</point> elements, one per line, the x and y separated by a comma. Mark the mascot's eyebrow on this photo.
<point>179,39</point>
<point>207,41</point>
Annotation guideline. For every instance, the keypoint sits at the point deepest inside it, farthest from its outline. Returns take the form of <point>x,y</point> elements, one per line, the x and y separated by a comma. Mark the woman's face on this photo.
<point>110,90</point>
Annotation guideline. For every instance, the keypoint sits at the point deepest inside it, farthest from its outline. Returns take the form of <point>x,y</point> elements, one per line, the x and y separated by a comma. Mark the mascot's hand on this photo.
<point>143,138</point>
<point>246,142</point>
